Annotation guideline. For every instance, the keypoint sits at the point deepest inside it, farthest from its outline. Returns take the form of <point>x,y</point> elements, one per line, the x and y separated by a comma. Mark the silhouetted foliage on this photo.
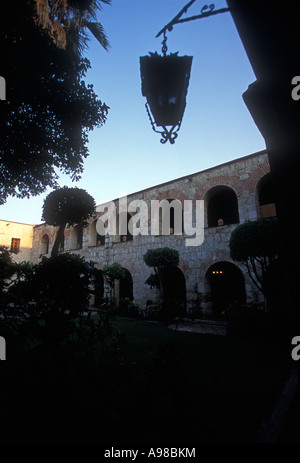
<point>256,245</point>
<point>112,273</point>
<point>49,109</point>
<point>68,21</point>
<point>67,206</point>
<point>62,284</point>
<point>7,267</point>
<point>59,372</point>
<point>152,280</point>
<point>59,284</point>
<point>160,259</point>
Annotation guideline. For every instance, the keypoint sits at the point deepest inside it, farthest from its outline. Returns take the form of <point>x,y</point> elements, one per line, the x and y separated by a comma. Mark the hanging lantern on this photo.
<point>165,81</point>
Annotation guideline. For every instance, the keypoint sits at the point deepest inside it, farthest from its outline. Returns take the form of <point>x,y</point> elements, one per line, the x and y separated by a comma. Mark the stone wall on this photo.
<point>19,231</point>
<point>241,176</point>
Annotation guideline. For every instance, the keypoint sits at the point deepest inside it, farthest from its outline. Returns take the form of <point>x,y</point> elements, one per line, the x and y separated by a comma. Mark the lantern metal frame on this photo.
<point>206,11</point>
<point>172,133</point>
<point>165,82</point>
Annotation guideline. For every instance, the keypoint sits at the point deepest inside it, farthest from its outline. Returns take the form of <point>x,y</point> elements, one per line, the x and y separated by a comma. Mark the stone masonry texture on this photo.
<point>242,176</point>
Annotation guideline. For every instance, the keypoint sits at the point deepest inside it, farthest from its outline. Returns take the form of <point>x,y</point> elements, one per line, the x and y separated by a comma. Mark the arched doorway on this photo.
<point>227,286</point>
<point>174,290</point>
<point>126,286</point>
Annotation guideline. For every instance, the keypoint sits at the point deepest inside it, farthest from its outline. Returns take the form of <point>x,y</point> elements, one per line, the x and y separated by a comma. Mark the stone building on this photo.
<point>206,277</point>
<point>17,237</point>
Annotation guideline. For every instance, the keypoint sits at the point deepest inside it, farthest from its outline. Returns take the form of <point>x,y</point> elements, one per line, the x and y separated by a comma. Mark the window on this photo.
<point>44,247</point>
<point>76,237</point>
<point>15,245</point>
<point>94,238</point>
<point>266,197</point>
<point>169,217</point>
<point>122,225</point>
<point>221,206</point>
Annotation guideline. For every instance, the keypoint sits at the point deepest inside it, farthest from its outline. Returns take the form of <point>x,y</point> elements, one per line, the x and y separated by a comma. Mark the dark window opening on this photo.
<point>123,220</point>
<point>95,239</point>
<point>222,208</point>
<point>169,214</point>
<point>100,240</point>
<point>266,197</point>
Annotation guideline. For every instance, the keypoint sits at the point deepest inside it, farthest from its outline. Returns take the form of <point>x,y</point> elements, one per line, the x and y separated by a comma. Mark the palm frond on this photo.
<point>98,32</point>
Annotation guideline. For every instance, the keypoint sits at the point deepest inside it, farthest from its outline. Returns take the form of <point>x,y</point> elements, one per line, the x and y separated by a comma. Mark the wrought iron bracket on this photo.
<point>206,11</point>
<point>166,135</point>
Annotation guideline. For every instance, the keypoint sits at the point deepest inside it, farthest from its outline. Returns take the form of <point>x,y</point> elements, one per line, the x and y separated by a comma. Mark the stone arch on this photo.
<point>250,183</point>
<point>230,181</point>
<point>44,244</point>
<point>227,286</point>
<point>126,286</point>
<point>124,292</point>
<point>265,197</point>
<point>221,206</point>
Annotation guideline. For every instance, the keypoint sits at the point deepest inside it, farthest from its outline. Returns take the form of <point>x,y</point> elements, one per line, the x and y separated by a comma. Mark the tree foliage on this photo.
<point>62,283</point>
<point>49,109</point>
<point>160,259</point>
<point>59,284</point>
<point>255,239</point>
<point>67,206</point>
<point>68,20</point>
<point>112,273</point>
<point>256,245</point>
<point>7,267</point>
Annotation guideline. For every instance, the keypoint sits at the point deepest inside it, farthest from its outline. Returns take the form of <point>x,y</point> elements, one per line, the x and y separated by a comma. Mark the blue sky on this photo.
<point>126,154</point>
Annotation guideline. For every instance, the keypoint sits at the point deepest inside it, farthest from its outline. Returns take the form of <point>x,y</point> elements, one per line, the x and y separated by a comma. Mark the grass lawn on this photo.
<point>198,387</point>
<point>155,386</point>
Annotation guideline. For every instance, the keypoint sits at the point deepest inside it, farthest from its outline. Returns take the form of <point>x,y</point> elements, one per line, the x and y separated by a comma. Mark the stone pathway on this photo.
<point>200,326</point>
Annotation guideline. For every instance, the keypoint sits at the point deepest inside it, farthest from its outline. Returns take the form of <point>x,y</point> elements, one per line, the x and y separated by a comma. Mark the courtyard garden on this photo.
<point>74,375</point>
<point>192,387</point>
